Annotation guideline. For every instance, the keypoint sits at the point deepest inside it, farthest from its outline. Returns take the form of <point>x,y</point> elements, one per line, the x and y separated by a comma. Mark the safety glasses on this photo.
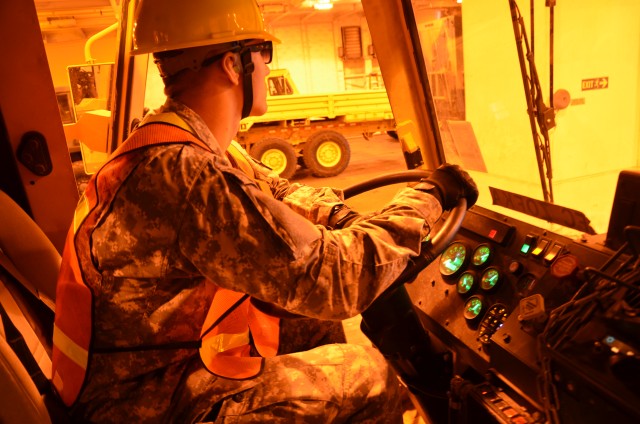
<point>265,49</point>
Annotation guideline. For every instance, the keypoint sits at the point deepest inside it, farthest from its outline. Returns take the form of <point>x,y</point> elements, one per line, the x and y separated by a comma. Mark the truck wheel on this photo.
<point>278,154</point>
<point>326,153</point>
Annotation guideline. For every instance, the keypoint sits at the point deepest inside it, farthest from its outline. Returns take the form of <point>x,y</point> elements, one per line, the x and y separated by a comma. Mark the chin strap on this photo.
<point>247,82</point>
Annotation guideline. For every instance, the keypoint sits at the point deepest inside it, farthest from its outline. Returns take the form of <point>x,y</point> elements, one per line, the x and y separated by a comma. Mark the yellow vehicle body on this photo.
<point>349,106</point>
<point>312,127</point>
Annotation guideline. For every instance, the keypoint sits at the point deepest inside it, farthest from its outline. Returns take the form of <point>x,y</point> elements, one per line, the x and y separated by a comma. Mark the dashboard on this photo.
<point>539,327</point>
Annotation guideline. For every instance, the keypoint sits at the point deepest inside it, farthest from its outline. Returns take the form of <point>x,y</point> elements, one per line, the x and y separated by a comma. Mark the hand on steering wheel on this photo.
<point>391,322</point>
<point>438,242</point>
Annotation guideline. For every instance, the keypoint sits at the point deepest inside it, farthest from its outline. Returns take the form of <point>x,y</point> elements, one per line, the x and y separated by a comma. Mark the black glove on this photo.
<point>448,184</point>
<point>342,216</point>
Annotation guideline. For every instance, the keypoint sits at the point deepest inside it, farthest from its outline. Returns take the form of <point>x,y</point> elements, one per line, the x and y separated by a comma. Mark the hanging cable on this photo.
<point>551,4</point>
<point>541,117</point>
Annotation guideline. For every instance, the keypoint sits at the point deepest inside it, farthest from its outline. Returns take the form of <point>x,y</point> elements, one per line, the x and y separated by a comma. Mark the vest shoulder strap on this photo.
<point>156,134</point>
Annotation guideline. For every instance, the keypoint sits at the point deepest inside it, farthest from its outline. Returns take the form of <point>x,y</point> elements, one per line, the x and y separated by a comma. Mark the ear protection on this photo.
<point>236,64</point>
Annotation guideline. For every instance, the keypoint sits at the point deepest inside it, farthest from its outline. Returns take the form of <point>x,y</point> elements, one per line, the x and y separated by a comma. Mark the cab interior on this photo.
<point>526,308</point>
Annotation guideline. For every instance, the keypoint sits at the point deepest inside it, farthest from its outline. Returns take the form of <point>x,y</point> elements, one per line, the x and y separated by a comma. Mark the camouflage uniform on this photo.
<point>183,215</point>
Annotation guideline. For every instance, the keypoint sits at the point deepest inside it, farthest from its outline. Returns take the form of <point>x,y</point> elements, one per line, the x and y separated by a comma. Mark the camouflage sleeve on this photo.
<point>315,204</point>
<point>245,240</point>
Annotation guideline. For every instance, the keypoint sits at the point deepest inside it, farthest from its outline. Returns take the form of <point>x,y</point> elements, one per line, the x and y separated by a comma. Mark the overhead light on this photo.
<point>323,5</point>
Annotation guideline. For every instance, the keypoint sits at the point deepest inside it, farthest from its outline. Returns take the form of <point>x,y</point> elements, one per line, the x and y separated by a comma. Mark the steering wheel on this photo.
<point>437,243</point>
<point>391,322</point>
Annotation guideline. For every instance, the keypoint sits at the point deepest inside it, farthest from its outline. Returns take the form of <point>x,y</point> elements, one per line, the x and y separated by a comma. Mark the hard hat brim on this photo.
<point>151,48</point>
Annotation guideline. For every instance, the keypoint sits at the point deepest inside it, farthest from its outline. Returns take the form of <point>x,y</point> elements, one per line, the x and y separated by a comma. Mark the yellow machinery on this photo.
<point>312,130</point>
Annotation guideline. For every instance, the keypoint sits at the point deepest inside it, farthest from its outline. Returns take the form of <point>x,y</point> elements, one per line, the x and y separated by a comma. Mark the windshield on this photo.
<point>536,101</point>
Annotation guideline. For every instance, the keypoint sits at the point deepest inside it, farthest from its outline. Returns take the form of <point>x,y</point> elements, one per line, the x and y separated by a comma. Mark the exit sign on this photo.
<point>595,83</point>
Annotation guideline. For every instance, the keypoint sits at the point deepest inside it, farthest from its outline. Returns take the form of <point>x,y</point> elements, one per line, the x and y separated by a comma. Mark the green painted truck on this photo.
<point>312,130</point>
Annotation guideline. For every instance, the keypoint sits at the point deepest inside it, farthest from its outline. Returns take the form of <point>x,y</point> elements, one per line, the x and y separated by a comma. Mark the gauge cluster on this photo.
<point>523,312</point>
<point>475,277</point>
<point>490,277</point>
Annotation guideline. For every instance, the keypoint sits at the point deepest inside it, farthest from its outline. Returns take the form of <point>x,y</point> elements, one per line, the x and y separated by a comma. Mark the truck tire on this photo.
<point>326,153</point>
<point>278,154</point>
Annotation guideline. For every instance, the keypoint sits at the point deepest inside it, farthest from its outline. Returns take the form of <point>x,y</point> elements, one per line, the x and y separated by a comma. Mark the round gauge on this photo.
<point>466,281</point>
<point>473,307</point>
<point>490,279</point>
<point>453,258</point>
<point>481,255</point>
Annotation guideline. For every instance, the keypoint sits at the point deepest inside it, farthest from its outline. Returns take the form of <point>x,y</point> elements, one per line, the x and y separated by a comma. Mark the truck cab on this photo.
<point>525,309</point>
<point>280,83</point>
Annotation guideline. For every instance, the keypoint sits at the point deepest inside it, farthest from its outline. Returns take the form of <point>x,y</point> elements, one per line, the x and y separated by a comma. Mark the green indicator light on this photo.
<point>525,248</point>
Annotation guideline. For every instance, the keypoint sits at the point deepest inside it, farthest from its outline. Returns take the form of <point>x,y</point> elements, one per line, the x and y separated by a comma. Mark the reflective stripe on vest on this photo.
<point>225,337</point>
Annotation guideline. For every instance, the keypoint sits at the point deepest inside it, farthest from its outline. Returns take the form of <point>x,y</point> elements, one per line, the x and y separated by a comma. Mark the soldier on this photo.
<point>181,243</point>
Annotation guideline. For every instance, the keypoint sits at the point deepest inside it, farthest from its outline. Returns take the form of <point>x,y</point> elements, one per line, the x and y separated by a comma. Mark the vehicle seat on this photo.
<point>29,265</point>
<point>20,401</point>
<point>26,251</point>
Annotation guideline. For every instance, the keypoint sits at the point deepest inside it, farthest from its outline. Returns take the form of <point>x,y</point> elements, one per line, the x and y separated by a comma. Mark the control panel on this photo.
<point>511,300</point>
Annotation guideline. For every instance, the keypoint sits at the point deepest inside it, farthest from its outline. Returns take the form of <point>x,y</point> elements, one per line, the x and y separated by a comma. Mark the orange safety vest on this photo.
<point>231,322</point>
